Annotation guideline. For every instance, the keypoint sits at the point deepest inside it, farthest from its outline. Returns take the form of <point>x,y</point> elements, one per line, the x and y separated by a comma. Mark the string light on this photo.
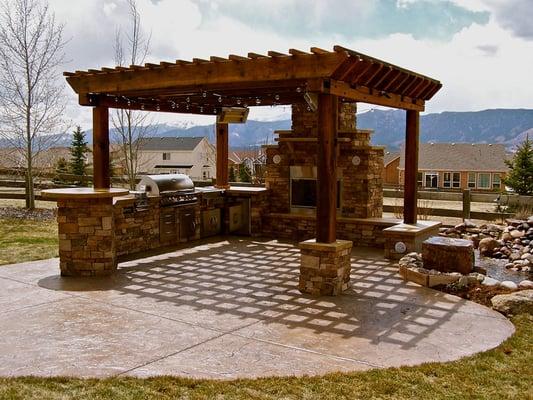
<point>201,109</point>
<point>276,97</point>
<point>158,108</point>
<point>258,101</point>
<point>239,101</point>
<point>142,106</point>
<point>188,99</point>
<point>298,89</point>
<point>204,94</point>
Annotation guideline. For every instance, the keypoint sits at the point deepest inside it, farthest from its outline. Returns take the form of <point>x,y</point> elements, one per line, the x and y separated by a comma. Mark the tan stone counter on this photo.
<point>83,193</point>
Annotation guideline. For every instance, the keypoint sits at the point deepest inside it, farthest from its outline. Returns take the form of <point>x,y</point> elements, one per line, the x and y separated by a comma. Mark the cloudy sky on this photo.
<point>481,50</point>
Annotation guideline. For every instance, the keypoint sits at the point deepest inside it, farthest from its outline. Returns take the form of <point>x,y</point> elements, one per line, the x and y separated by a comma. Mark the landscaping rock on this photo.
<point>487,246</point>
<point>526,284</point>
<point>514,303</point>
<point>488,281</point>
<point>508,285</point>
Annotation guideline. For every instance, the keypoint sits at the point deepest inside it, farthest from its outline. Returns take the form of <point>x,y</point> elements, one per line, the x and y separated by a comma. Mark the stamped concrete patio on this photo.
<point>229,308</point>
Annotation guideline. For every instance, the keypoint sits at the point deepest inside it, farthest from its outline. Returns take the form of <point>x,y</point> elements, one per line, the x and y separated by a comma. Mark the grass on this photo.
<point>26,240</point>
<point>502,373</point>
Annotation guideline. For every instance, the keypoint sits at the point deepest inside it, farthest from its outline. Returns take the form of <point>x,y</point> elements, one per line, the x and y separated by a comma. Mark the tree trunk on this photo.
<point>30,194</point>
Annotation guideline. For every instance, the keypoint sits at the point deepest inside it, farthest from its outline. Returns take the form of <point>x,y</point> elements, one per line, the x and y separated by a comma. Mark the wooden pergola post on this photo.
<point>101,173</point>
<point>411,167</point>
<point>326,210</point>
<point>222,180</point>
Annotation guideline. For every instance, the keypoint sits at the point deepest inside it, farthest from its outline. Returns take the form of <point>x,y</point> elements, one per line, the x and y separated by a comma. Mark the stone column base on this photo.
<point>86,237</point>
<point>402,239</point>
<point>324,267</point>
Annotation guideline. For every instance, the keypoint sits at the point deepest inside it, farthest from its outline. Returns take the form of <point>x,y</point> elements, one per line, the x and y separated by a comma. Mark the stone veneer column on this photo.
<point>86,237</point>
<point>324,267</point>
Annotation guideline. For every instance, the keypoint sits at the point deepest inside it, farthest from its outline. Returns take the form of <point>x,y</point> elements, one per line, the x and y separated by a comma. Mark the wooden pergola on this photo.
<point>207,87</point>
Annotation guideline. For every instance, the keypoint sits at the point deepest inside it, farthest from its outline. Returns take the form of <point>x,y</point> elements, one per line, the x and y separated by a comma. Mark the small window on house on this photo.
<point>483,181</point>
<point>166,156</point>
<point>419,179</point>
<point>432,180</point>
<point>471,179</point>
<point>496,181</point>
<point>447,180</point>
<point>456,180</point>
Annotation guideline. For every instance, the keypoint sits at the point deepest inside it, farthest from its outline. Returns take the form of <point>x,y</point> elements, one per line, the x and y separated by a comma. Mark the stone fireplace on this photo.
<point>291,177</point>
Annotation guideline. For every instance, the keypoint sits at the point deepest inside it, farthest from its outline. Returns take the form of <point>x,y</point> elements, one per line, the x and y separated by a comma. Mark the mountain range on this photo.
<point>507,126</point>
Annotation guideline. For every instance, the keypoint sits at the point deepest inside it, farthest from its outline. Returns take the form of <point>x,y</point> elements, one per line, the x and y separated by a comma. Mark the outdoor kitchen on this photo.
<point>323,183</point>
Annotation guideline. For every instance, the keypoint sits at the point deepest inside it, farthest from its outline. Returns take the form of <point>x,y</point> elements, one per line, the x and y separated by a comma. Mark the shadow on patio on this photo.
<point>230,284</point>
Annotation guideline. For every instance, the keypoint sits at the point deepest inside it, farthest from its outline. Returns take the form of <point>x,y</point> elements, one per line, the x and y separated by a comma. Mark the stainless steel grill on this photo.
<point>173,189</point>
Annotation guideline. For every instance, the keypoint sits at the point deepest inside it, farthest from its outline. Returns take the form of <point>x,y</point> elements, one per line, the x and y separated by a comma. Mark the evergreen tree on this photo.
<point>78,148</point>
<point>520,176</point>
<point>244,173</point>
<point>61,169</point>
<point>232,177</point>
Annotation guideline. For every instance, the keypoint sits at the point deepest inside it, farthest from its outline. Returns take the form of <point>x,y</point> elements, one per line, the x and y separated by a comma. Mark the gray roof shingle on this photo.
<point>460,157</point>
<point>170,143</point>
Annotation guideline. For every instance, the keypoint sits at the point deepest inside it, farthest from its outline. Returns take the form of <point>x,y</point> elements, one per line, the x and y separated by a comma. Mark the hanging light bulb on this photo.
<point>129,103</point>
<point>201,109</point>
<point>220,99</point>
<point>173,105</point>
<point>116,99</point>
<point>158,108</point>
<point>258,101</point>
<point>308,108</point>
<point>245,105</point>
<point>239,101</point>
<point>187,107</point>
<point>204,94</point>
<point>276,97</point>
<point>298,89</point>
<point>142,106</point>
<point>188,99</point>
<point>214,110</point>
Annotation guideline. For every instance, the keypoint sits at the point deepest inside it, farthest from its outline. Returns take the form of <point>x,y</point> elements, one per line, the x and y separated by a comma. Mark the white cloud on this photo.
<point>474,78</point>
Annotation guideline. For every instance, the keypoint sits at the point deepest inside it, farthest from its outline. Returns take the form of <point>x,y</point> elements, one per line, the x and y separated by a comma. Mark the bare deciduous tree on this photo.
<point>31,96</point>
<point>131,126</point>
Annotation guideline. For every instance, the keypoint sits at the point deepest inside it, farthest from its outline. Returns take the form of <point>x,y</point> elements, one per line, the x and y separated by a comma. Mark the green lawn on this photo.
<point>502,373</point>
<point>26,240</point>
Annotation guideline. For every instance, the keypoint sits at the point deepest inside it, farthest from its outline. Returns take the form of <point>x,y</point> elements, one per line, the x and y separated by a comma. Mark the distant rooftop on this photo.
<point>460,157</point>
<point>171,143</point>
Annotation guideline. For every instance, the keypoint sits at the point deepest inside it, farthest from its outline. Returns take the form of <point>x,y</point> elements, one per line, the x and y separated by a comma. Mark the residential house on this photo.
<point>193,156</point>
<point>477,166</point>
<point>391,162</point>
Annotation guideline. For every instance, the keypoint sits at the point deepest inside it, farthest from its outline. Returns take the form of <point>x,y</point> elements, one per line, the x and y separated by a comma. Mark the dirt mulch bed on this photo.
<point>37,214</point>
<point>477,293</point>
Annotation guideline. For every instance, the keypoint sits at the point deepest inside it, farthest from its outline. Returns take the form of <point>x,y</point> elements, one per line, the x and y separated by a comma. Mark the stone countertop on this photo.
<point>83,193</point>
<point>246,190</point>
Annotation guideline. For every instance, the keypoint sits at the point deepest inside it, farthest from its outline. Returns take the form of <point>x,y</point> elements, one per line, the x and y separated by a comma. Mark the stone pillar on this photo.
<point>86,237</point>
<point>325,267</point>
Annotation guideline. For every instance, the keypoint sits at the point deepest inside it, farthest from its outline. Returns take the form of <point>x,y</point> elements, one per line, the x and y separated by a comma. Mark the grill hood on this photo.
<point>159,184</point>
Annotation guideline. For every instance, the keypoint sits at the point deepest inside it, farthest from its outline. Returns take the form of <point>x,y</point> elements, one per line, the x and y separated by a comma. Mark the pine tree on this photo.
<point>520,176</point>
<point>244,173</point>
<point>61,169</point>
<point>232,177</point>
<point>78,148</point>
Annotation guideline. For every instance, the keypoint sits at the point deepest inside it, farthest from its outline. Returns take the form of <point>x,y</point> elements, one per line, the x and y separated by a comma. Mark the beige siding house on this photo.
<point>478,166</point>
<point>193,156</point>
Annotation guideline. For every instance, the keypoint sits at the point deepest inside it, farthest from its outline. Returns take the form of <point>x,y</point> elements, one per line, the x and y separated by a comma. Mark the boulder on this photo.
<point>514,303</point>
<point>508,285</point>
<point>506,237</point>
<point>526,284</point>
<point>491,282</point>
<point>448,254</point>
<point>517,234</point>
<point>487,246</point>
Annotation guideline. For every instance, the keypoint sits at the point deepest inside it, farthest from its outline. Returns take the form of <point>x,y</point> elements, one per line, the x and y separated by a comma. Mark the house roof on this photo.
<point>204,86</point>
<point>389,157</point>
<point>460,157</point>
<point>170,143</point>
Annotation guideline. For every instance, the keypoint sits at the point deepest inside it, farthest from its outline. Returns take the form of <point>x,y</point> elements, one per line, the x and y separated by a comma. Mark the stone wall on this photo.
<point>136,231</point>
<point>86,237</point>
<point>362,232</point>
